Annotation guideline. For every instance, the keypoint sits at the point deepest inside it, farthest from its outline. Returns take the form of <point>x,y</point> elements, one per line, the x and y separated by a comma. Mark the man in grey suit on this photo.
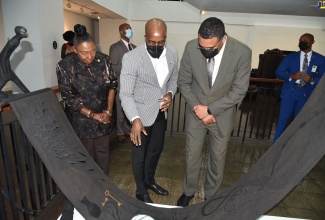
<point>116,52</point>
<point>213,78</point>
<point>148,83</point>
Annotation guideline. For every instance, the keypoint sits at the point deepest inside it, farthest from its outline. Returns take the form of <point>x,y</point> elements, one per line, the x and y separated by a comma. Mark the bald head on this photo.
<point>307,35</point>
<point>306,42</point>
<point>122,29</point>
<point>155,26</point>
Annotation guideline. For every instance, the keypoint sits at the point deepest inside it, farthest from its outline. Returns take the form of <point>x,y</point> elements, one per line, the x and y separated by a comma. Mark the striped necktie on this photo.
<point>304,70</point>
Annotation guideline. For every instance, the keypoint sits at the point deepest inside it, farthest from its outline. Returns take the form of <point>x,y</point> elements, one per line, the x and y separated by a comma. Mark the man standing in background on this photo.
<point>301,71</point>
<point>116,53</point>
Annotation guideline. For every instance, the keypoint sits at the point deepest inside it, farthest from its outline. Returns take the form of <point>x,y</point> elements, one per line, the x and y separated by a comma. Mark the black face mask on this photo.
<point>155,51</point>
<point>303,45</point>
<point>209,53</point>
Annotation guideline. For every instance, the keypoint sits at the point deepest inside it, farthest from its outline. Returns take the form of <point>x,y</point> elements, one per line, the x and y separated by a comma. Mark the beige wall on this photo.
<point>71,19</point>
<point>34,60</point>
<point>108,32</point>
<point>283,38</point>
<point>3,42</point>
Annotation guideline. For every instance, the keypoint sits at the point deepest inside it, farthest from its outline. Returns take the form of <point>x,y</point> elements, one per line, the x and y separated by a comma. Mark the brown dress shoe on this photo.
<point>121,139</point>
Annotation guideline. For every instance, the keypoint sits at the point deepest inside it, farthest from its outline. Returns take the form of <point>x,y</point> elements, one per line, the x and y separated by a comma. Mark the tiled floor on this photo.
<point>306,200</point>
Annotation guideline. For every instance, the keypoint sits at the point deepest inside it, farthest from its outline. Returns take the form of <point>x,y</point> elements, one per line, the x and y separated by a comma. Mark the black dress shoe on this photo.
<point>184,200</point>
<point>158,189</point>
<point>143,198</point>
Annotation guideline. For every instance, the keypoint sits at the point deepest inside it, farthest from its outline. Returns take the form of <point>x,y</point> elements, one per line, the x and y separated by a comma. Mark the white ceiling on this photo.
<point>278,7</point>
<point>89,8</point>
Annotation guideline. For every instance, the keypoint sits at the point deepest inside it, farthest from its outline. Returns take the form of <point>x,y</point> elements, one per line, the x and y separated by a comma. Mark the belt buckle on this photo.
<point>299,85</point>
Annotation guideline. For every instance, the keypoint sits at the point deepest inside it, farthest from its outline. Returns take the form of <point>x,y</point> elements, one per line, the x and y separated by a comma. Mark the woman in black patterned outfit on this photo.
<point>87,84</point>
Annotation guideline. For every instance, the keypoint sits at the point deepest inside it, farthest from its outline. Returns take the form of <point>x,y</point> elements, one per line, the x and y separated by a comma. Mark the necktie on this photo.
<point>304,71</point>
<point>129,46</point>
<point>210,67</point>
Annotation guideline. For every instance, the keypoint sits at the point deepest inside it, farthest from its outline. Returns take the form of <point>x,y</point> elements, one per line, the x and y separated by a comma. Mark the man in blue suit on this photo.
<point>300,80</point>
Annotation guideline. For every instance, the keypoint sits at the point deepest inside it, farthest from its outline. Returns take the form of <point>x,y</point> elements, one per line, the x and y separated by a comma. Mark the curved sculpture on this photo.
<point>96,197</point>
<point>6,72</point>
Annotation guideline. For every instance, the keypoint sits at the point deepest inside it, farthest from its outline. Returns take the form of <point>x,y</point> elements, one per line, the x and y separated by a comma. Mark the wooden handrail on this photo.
<point>54,88</point>
<point>252,79</point>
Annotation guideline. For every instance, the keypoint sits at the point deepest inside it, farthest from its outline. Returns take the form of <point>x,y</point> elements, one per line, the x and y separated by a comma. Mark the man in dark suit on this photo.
<point>213,78</point>
<point>148,83</point>
<point>299,80</point>
<point>116,52</point>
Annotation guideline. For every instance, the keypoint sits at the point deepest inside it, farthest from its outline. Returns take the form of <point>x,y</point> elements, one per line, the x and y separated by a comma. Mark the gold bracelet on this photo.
<point>110,114</point>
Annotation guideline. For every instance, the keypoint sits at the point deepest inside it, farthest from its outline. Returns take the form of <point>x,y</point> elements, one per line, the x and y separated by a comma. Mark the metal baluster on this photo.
<point>19,171</point>
<point>7,167</point>
<point>28,166</point>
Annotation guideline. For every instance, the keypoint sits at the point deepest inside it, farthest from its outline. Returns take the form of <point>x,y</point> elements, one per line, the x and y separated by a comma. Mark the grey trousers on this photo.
<point>122,123</point>
<point>217,149</point>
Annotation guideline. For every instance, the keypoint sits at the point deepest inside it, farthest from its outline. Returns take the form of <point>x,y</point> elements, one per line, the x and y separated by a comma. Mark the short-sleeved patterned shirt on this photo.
<point>86,85</point>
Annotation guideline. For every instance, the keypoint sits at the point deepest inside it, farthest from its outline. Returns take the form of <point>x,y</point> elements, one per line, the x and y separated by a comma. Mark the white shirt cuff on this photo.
<point>134,118</point>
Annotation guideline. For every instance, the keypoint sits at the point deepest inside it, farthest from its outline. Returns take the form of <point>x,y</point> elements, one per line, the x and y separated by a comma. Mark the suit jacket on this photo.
<point>229,88</point>
<point>140,89</point>
<point>116,52</point>
<point>291,65</point>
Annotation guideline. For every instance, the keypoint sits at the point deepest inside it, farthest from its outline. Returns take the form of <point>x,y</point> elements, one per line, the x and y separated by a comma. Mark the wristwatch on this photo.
<point>209,112</point>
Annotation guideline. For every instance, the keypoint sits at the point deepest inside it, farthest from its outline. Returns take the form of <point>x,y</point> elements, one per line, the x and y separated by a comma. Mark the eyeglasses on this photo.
<point>207,48</point>
<point>153,43</point>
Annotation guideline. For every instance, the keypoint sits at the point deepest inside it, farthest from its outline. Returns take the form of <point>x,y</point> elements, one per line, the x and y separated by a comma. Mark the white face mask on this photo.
<point>128,33</point>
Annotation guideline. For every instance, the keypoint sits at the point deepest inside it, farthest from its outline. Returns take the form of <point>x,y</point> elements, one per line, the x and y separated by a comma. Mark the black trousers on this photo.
<point>145,157</point>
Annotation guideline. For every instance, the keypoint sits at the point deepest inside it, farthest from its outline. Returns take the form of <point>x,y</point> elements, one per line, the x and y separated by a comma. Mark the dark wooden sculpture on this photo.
<point>6,72</point>
<point>93,194</point>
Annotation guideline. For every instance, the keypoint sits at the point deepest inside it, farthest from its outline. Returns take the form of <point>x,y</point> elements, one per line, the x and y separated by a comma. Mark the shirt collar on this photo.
<point>125,42</point>
<point>223,48</point>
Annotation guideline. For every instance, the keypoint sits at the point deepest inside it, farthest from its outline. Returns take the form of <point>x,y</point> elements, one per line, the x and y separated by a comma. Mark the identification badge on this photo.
<point>313,69</point>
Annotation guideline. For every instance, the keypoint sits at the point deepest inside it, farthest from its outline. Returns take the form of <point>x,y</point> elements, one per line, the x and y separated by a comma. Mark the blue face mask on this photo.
<point>128,33</point>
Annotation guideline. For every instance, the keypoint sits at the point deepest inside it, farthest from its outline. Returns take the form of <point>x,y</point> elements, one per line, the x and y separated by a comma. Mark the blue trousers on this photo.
<point>290,106</point>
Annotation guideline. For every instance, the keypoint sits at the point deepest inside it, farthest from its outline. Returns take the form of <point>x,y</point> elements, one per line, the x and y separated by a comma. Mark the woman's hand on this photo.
<point>102,117</point>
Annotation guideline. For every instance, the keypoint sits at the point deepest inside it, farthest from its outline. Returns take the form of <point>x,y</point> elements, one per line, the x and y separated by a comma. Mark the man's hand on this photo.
<point>297,75</point>
<point>201,111</point>
<point>135,134</point>
<point>165,101</point>
<point>209,120</point>
<point>308,78</point>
